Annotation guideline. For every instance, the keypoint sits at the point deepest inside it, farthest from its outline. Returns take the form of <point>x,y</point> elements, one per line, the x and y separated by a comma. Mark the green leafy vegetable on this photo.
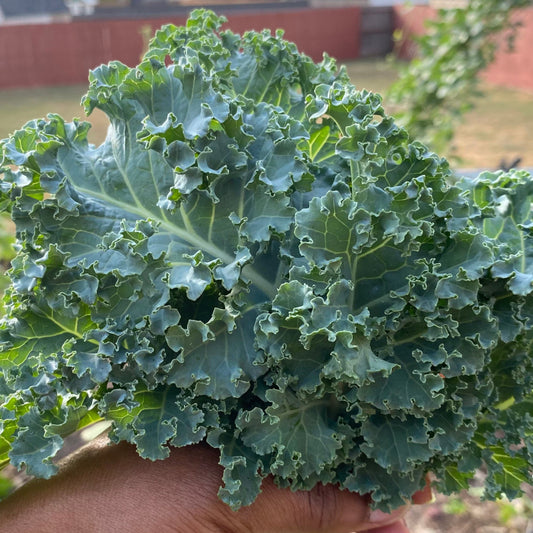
<point>258,256</point>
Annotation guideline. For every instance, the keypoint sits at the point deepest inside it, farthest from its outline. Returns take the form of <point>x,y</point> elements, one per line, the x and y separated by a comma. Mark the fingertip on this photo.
<point>376,520</point>
<point>423,496</point>
<point>396,527</point>
<point>376,516</point>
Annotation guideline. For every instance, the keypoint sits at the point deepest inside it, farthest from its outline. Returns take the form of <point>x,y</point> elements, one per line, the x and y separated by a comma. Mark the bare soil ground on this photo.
<point>468,514</point>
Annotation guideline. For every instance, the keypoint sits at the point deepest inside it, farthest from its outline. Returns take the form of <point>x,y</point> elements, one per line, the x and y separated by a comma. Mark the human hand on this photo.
<point>111,489</point>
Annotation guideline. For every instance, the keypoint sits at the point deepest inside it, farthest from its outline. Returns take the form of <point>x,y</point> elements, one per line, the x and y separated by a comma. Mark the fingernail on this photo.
<point>377,516</point>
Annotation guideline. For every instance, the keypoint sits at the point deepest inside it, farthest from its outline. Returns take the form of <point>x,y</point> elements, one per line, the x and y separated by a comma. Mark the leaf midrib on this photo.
<point>186,234</point>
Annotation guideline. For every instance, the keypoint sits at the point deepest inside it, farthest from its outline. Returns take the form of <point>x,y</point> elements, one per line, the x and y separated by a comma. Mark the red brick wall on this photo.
<point>410,20</point>
<point>63,53</point>
<point>515,69</point>
<point>315,31</point>
<point>510,69</point>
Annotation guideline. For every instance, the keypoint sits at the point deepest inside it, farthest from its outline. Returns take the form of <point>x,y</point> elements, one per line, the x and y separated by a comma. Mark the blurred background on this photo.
<point>457,73</point>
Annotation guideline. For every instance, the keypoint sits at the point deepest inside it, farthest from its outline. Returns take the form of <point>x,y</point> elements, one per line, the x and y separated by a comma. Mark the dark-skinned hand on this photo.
<point>110,489</point>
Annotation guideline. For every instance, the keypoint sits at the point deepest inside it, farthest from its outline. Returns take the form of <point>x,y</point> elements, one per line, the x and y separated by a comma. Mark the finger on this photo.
<point>322,509</point>
<point>423,496</point>
<point>196,480</point>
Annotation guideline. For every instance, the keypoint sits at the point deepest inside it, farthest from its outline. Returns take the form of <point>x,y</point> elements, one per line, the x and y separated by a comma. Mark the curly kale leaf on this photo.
<point>259,257</point>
